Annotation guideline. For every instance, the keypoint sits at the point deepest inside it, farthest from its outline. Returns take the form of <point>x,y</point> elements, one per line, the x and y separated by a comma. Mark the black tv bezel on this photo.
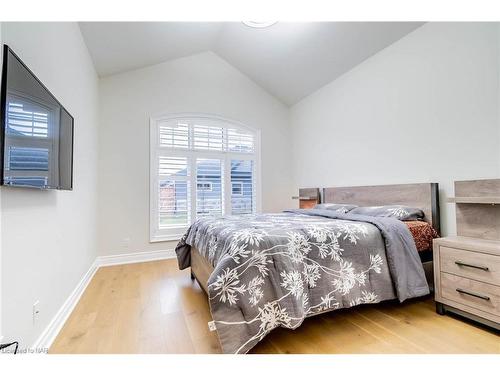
<point>3,119</point>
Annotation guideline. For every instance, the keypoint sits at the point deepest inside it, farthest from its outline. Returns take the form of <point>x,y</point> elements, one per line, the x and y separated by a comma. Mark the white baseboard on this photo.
<point>147,256</point>
<point>48,336</point>
<point>50,333</point>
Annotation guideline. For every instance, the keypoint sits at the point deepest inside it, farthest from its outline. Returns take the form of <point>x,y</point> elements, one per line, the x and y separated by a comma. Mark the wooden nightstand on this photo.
<point>467,278</point>
<point>467,266</point>
<point>308,197</point>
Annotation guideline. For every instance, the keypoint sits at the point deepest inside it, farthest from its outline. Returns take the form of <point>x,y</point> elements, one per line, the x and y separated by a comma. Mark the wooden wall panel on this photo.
<point>478,188</point>
<point>478,220</point>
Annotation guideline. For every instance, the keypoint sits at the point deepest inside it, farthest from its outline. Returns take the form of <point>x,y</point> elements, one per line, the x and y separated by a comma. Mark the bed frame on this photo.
<point>424,196</point>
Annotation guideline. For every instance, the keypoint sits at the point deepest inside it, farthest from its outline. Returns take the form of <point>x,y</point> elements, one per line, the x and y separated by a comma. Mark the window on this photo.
<point>201,166</point>
<point>204,186</point>
<point>237,189</point>
<point>173,192</point>
<point>209,172</point>
<point>31,147</point>
<point>241,174</point>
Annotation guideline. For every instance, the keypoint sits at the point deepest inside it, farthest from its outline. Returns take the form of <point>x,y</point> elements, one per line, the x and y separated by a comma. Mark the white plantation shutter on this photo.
<point>209,177</point>
<point>208,138</point>
<point>240,141</point>
<point>173,166</point>
<point>201,167</point>
<point>242,187</point>
<point>173,192</point>
<point>174,135</point>
<point>173,203</point>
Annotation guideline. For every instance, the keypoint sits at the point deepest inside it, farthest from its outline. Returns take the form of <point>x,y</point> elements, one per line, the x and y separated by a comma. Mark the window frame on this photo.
<point>156,150</point>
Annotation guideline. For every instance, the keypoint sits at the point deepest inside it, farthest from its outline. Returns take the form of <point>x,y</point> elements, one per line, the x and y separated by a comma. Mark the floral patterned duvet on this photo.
<point>275,270</point>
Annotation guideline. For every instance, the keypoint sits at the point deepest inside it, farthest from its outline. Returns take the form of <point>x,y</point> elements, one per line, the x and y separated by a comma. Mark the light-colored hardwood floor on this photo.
<point>155,308</point>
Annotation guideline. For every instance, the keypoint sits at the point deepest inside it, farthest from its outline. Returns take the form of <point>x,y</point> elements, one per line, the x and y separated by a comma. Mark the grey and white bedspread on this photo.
<point>275,270</point>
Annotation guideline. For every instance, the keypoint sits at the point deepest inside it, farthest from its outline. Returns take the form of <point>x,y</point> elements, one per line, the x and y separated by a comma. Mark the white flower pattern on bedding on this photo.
<point>314,253</point>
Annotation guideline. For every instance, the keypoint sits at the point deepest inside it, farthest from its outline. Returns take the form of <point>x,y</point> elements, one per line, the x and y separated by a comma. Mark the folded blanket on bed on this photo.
<point>402,255</point>
<point>276,269</point>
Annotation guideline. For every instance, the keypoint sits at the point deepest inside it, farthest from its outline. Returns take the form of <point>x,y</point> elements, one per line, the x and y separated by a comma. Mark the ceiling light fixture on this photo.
<point>259,24</point>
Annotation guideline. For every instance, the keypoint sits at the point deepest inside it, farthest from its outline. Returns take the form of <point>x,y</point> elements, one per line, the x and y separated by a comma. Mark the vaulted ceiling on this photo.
<point>289,60</point>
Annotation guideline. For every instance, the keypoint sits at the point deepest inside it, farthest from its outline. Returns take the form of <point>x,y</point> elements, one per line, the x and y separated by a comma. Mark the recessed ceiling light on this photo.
<point>259,24</point>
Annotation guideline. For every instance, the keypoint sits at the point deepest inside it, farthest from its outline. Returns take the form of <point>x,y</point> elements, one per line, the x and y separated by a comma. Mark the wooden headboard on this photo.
<point>424,196</point>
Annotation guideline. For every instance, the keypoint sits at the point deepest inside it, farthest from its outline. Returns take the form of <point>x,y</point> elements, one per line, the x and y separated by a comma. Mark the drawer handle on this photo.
<point>460,263</point>
<point>486,298</point>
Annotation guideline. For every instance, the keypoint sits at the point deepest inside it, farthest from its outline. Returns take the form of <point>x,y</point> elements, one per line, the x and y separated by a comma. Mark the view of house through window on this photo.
<point>200,167</point>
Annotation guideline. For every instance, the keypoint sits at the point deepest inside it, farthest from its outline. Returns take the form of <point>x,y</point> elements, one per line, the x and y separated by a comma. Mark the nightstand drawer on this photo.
<point>477,266</point>
<point>481,296</point>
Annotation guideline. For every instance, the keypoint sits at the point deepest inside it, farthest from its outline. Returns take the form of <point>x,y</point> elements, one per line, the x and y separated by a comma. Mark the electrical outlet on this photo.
<point>36,312</point>
<point>126,243</point>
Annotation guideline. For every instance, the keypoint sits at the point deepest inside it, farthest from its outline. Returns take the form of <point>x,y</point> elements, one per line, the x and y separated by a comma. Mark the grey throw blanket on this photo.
<point>276,269</point>
<point>401,252</point>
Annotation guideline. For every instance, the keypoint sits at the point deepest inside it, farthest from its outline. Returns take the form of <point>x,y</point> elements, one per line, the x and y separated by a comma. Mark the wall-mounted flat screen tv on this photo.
<point>36,131</point>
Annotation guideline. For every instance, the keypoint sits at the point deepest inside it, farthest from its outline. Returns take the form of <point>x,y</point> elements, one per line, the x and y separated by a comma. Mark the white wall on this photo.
<point>425,109</point>
<point>201,83</point>
<point>1,252</point>
<point>49,237</point>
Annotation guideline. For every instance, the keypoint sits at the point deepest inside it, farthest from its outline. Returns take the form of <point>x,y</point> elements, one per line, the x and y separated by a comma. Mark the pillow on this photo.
<point>423,233</point>
<point>340,208</point>
<point>403,213</point>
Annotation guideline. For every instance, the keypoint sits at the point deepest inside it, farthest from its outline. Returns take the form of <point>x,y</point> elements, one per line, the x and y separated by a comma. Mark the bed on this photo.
<point>265,271</point>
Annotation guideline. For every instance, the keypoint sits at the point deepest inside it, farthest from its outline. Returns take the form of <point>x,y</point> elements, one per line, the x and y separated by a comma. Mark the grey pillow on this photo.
<point>341,208</point>
<point>403,213</point>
